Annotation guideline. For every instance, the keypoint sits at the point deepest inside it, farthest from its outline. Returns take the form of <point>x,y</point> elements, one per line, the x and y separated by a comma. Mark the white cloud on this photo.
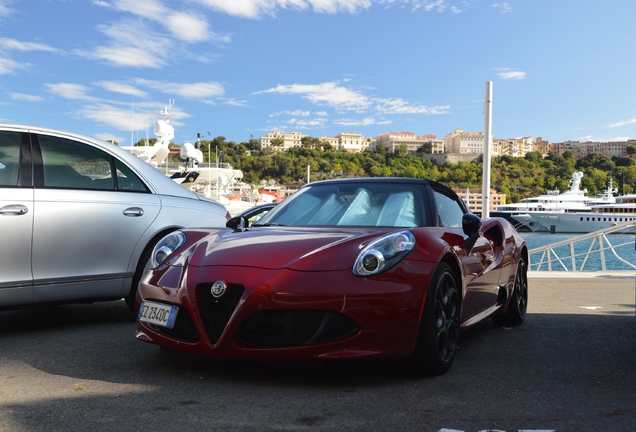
<point>503,7</point>
<point>137,41</point>
<point>184,26</point>
<point>399,106</point>
<point>430,5</point>
<point>299,113</point>
<point>188,27</point>
<point>344,99</point>
<point>5,8</point>
<point>16,45</point>
<point>190,91</point>
<point>133,45</point>
<point>368,121</point>
<point>305,123</point>
<point>126,56</point>
<point>258,8</point>
<point>116,87</point>
<point>26,97</point>
<point>234,102</point>
<point>123,117</point>
<point>335,6</point>
<point>9,66</point>
<point>512,75</point>
<point>329,93</point>
<point>623,123</point>
<point>69,91</point>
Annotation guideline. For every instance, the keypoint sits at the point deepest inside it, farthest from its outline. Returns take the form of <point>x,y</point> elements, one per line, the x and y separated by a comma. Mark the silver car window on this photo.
<point>71,164</point>
<point>9,158</point>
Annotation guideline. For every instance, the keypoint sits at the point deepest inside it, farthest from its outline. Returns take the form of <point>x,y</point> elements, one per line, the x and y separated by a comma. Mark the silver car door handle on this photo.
<point>134,212</point>
<point>14,209</point>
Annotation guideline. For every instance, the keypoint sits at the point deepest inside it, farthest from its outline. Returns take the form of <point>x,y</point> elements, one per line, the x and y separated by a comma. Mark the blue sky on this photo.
<point>561,69</point>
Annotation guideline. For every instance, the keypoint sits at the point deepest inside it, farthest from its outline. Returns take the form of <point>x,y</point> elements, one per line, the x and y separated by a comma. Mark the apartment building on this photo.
<point>289,140</point>
<point>542,146</point>
<point>581,149</point>
<point>348,141</point>
<point>473,199</point>
<point>464,142</point>
<point>393,140</point>
<point>516,147</point>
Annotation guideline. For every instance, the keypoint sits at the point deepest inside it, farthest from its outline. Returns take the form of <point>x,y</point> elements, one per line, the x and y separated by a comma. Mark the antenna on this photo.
<point>166,110</point>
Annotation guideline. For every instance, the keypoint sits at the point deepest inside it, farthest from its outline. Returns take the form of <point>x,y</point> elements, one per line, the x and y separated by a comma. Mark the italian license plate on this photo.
<point>158,313</point>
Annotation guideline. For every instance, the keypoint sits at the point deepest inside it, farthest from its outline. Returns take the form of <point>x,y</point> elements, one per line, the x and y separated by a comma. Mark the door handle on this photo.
<point>14,209</point>
<point>134,212</point>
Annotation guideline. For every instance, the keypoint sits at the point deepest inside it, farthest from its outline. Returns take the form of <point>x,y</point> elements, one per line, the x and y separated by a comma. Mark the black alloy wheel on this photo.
<point>439,329</point>
<point>516,312</point>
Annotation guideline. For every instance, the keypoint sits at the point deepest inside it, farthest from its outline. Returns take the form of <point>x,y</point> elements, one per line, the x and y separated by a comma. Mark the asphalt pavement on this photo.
<point>570,367</point>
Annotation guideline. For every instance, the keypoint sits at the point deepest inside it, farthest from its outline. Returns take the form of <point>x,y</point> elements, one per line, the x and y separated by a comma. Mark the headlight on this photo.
<point>383,253</point>
<point>166,247</point>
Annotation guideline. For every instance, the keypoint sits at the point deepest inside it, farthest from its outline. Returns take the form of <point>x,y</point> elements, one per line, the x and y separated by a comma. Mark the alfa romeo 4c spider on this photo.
<point>342,269</point>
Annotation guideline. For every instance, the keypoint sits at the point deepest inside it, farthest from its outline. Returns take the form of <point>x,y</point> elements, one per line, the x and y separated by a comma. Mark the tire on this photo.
<point>139,271</point>
<point>439,328</point>
<point>518,305</point>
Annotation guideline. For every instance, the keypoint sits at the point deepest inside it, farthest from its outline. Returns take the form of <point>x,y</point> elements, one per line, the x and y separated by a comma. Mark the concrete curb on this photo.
<point>581,275</point>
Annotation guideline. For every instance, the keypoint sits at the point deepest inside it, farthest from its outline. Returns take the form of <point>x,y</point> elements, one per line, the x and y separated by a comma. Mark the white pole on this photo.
<point>307,174</point>
<point>468,197</point>
<point>132,123</point>
<point>485,187</point>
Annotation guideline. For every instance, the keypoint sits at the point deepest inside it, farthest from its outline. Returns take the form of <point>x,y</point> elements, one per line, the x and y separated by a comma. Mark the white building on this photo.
<point>516,147</point>
<point>393,140</point>
<point>289,140</point>
<point>348,141</point>
<point>464,142</point>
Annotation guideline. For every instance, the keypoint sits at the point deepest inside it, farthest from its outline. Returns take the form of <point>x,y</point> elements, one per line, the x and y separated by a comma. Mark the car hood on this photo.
<point>276,248</point>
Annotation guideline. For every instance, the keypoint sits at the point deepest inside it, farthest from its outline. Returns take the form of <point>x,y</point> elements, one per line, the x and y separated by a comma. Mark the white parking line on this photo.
<point>498,430</point>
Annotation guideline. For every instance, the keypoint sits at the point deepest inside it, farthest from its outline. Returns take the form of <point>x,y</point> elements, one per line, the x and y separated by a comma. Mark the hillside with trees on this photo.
<point>531,175</point>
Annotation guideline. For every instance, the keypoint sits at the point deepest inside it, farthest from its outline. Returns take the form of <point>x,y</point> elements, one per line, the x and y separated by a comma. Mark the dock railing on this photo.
<point>574,253</point>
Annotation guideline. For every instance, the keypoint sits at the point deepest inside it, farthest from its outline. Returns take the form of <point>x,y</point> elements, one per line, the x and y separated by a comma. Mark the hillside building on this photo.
<point>348,141</point>
<point>393,140</point>
<point>473,199</point>
<point>582,149</point>
<point>289,140</point>
<point>464,142</point>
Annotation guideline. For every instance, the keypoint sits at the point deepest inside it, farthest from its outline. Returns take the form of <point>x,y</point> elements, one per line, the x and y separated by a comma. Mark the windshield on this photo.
<point>351,204</point>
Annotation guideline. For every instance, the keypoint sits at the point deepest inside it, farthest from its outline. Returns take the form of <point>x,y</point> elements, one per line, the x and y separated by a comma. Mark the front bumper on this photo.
<point>285,314</point>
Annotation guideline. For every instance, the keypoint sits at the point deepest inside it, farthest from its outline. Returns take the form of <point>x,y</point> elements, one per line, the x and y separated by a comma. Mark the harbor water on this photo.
<point>624,246</point>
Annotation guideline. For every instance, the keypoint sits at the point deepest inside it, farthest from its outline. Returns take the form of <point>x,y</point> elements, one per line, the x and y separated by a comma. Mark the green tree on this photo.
<point>278,142</point>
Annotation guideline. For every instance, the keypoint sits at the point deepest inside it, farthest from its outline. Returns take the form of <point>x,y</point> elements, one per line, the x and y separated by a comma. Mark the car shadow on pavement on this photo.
<point>80,368</point>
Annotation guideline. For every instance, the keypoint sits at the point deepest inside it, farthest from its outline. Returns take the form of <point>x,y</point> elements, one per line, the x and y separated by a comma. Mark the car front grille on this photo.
<point>216,312</point>
<point>296,327</point>
<point>184,328</point>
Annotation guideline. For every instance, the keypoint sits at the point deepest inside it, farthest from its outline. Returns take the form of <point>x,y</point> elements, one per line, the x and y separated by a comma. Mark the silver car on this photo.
<point>79,217</point>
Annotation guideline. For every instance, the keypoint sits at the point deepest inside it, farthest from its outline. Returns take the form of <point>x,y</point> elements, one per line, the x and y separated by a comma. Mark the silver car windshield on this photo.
<point>351,204</point>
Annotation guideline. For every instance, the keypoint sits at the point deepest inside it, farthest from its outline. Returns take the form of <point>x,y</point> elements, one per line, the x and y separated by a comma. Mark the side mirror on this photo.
<point>237,223</point>
<point>471,224</point>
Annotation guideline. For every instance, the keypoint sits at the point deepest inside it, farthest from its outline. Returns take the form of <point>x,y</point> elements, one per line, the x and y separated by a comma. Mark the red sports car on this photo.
<point>342,269</point>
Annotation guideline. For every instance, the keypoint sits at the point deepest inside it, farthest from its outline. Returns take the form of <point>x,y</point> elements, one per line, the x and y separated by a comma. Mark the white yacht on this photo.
<point>597,217</point>
<point>573,200</point>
